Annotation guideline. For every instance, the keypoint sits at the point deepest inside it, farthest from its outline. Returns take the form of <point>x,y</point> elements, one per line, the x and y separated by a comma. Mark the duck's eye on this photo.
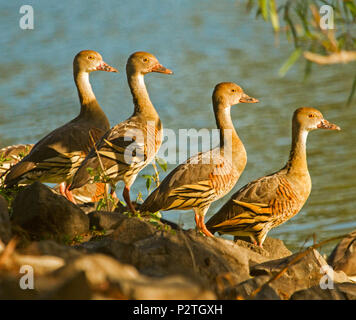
<point>90,57</point>
<point>233,90</point>
<point>145,60</point>
<point>311,115</point>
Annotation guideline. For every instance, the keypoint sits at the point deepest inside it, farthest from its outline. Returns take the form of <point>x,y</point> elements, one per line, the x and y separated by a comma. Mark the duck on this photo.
<point>131,145</point>
<point>12,154</point>
<point>55,158</point>
<point>271,200</point>
<point>206,176</point>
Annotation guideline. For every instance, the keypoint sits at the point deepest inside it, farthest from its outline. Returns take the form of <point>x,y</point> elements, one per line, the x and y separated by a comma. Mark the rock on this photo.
<point>142,258</point>
<point>87,207</point>
<point>156,250</point>
<point>40,264</point>
<point>108,277</point>
<point>272,248</point>
<point>244,290</point>
<point>5,226</point>
<point>98,269</point>
<point>11,290</point>
<point>341,291</point>
<point>95,276</point>
<point>107,246</point>
<point>212,260</point>
<point>50,248</point>
<point>167,288</point>
<point>133,229</point>
<point>75,287</point>
<point>103,220</point>
<point>46,215</point>
<point>12,261</point>
<point>303,274</point>
<point>343,257</point>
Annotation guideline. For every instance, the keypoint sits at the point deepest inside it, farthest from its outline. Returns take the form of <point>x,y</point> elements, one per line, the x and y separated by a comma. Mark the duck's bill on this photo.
<point>325,124</point>
<point>161,69</point>
<point>247,99</point>
<point>105,67</point>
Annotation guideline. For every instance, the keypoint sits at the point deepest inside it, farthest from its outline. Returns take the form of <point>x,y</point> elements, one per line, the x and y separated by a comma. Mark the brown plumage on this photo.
<point>55,157</point>
<point>207,176</point>
<point>271,200</point>
<point>132,144</point>
<point>11,155</point>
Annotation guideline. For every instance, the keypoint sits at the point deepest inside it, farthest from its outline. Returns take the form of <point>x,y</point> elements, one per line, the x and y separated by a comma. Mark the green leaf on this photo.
<point>153,221</point>
<point>274,15</point>
<point>101,204</point>
<point>308,69</point>
<point>148,183</point>
<point>162,163</point>
<point>156,215</point>
<point>352,7</point>
<point>352,93</point>
<point>290,61</point>
<point>264,8</point>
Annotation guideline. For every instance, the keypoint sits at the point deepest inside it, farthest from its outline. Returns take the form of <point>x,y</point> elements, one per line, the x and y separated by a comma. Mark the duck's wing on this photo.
<point>56,154</point>
<point>266,200</point>
<point>123,151</point>
<point>196,183</point>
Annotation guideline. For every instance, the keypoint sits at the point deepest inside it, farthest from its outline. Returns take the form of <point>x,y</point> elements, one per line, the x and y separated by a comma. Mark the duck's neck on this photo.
<point>90,108</point>
<point>229,140</point>
<point>141,99</point>
<point>297,162</point>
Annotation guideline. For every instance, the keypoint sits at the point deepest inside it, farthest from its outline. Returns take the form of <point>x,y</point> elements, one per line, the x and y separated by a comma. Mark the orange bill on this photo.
<point>161,69</point>
<point>247,99</point>
<point>105,67</point>
<point>325,124</point>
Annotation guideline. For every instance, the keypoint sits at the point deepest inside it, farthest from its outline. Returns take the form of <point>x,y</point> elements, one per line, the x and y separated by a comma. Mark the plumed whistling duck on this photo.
<point>132,144</point>
<point>55,158</point>
<point>269,201</point>
<point>207,176</point>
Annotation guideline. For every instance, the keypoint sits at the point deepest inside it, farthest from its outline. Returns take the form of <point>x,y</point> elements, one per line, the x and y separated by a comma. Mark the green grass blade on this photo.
<point>289,62</point>
<point>162,163</point>
<point>274,15</point>
<point>352,93</point>
<point>264,8</point>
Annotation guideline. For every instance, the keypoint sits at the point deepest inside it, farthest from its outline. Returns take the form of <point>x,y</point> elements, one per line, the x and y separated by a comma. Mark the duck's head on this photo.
<point>89,60</point>
<point>143,63</point>
<point>231,94</point>
<point>311,119</point>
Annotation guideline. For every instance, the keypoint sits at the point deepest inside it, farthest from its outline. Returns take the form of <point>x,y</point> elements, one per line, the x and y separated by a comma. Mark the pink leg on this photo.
<point>62,189</point>
<point>69,195</point>
<point>203,228</point>
<point>253,240</point>
<point>197,220</point>
<point>126,195</point>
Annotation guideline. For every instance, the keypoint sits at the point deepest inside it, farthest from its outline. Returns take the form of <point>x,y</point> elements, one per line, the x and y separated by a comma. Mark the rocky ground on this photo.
<point>78,253</point>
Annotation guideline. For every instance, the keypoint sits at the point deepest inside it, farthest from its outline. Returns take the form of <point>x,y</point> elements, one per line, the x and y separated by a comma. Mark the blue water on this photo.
<point>203,42</point>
